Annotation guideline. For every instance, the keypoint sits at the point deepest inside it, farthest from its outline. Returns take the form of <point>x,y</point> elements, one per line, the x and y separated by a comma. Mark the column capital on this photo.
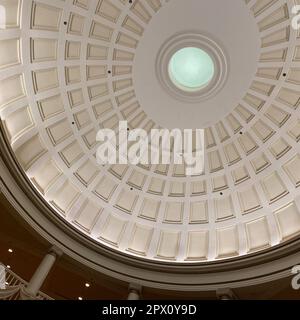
<point>226,294</point>
<point>134,291</point>
<point>135,287</point>
<point>55,251</point>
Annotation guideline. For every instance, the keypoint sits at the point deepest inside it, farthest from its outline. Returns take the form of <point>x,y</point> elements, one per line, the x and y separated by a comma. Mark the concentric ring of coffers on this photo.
<point>60,82</point>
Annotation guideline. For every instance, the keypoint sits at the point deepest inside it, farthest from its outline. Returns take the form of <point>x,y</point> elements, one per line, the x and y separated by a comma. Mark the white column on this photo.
<point>134,292</point>
<point>42,271</point>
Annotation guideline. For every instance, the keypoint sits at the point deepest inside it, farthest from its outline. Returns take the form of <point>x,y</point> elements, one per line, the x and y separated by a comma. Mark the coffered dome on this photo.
<point>69,68</point>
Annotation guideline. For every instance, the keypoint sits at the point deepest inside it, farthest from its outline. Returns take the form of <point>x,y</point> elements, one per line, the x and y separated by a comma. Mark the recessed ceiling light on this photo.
<point>80,298</point>
<point>87,285</point>
<point>10,250</point>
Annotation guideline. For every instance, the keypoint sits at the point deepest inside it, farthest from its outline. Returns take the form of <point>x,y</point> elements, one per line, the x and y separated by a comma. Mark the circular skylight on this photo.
<point>191,69</point>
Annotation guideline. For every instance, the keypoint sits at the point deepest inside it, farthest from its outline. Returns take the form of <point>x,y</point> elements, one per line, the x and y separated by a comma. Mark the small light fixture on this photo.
<point>8,266</point>
<point>80,298</point>
<point>10,250</point>
<point>87,285</point>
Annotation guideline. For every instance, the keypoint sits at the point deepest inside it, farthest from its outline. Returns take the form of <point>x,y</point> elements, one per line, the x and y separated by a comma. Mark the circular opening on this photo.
<point>191,69</point>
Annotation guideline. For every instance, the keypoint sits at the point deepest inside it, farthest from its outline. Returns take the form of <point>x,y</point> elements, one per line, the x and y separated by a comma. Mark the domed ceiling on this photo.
<point>69,68</point>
